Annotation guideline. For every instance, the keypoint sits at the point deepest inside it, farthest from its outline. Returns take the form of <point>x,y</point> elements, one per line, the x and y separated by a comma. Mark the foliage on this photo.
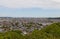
<point>49,32</point>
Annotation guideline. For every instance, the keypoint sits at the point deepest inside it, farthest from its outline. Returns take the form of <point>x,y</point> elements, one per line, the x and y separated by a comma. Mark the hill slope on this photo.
<point>49,32</point>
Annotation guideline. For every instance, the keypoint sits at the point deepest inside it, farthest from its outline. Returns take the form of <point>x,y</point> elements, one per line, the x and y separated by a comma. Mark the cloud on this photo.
<point>30,3</point>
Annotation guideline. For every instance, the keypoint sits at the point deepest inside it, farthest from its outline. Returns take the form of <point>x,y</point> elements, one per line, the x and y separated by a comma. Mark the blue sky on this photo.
<point>29,11</point>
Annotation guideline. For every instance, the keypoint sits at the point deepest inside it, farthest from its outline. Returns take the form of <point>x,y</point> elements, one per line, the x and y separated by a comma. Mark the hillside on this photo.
<point>49,32</point>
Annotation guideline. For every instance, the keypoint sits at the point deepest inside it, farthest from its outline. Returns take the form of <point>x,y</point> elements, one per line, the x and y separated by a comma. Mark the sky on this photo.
<point>29,8</point>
